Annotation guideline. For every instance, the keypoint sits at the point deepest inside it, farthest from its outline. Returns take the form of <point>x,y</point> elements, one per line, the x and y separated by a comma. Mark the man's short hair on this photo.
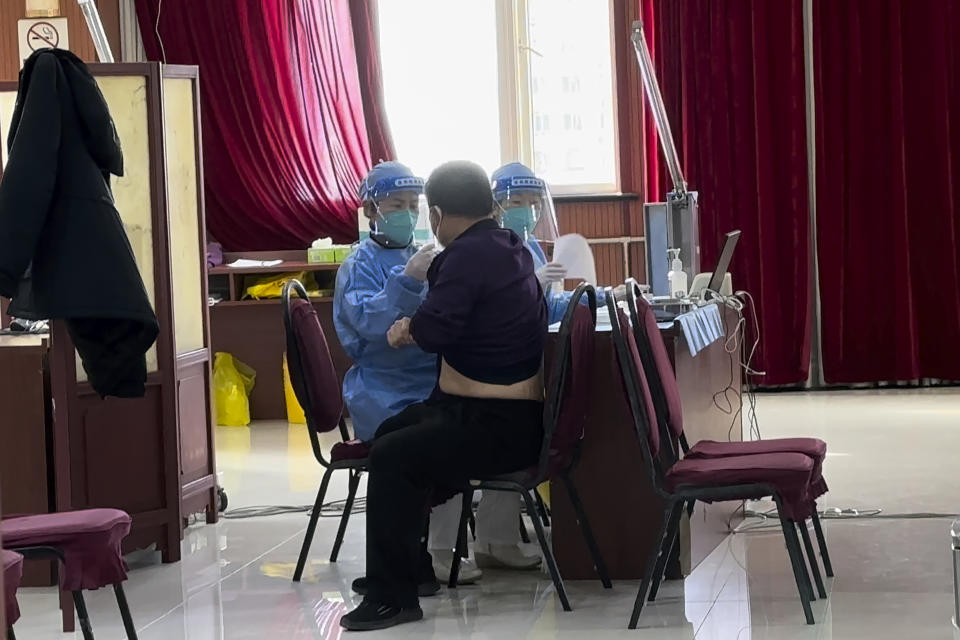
<point>460,188</point>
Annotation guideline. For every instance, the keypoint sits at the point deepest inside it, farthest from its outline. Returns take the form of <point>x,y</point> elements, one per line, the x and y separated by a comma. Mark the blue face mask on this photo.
<point>520,220</point>
<point>397,226</point>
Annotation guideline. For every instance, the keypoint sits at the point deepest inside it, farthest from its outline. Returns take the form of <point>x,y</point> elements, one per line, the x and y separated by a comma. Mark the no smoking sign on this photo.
<point>41,33</point>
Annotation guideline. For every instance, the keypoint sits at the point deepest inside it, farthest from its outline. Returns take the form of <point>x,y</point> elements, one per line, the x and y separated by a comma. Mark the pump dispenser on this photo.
<point>677,276</point>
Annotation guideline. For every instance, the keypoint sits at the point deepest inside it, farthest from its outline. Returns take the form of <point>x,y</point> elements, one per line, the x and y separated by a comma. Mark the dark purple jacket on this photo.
<point>484,311</point>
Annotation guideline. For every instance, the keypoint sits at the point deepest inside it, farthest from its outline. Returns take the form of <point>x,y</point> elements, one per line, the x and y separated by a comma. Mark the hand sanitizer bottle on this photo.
<point>677,276</point>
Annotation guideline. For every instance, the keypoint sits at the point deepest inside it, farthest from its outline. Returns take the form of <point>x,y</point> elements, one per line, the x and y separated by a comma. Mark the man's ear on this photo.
<point>369,210</point>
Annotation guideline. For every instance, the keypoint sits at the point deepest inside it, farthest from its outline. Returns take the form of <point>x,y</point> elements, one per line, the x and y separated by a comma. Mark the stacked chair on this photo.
<point>565,413</point>
<point>317,388</point>
<point>789,470</point>
<point>87,545</point>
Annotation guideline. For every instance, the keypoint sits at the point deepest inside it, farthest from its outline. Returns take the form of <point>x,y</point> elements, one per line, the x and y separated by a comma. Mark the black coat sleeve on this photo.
<point>30,177</point>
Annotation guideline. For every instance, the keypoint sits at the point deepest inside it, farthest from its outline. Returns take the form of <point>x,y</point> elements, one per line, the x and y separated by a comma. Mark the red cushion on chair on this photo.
<point>12,572</point>
<point>814,448</point>
<point>317,375</point>
<point>89,539</point>
<point>787,473</point>
<point>353,450</point>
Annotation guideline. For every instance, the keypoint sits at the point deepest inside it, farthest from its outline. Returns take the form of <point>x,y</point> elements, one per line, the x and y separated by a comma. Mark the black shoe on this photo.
<point>370,616</point>
<point>424,589</point>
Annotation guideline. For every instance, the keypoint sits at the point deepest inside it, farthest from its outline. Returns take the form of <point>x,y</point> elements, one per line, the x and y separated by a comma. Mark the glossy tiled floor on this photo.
<point>895,450</point>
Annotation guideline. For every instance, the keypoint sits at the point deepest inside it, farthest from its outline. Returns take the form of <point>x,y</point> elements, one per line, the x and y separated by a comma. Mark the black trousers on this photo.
<point>429,448</point>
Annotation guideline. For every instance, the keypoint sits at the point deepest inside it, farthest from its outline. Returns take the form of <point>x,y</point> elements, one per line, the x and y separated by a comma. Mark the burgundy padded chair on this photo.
<point>87,544</point>
<point>315,383</point>
<point>564,420</point>
<point>666,401</point>
<point>783,476</point>
<point>12,572</point>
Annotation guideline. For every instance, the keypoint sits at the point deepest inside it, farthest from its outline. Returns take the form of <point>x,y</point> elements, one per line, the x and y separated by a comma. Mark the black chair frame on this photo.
<point>354,467</point>
<point>676,446</point>
<point>49,552</point>
<point>676,500</point>
<point>526,487</point>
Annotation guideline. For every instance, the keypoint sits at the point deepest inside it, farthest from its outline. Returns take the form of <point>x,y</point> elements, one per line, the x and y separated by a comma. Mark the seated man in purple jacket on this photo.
<point>485,318</point>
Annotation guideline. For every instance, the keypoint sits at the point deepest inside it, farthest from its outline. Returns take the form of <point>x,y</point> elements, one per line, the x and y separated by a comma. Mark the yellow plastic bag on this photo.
<point>271,286</point>
<point>232,383</point>
<point>295,414</point>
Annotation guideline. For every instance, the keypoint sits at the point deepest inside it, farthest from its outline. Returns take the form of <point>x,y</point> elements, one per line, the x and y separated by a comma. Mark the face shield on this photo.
<point>524,206</point>
<point>395,220</point>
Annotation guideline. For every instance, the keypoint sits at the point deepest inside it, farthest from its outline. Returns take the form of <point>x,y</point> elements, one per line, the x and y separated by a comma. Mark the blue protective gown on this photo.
<point>556,301</point>
<point>371,294</point>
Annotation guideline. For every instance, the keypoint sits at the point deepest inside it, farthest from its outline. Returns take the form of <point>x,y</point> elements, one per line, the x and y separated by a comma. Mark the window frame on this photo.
<point>516,95</point>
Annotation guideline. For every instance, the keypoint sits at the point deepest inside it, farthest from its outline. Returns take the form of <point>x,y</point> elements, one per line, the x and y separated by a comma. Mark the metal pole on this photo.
<point>96,30</point>
<point>652,89</point>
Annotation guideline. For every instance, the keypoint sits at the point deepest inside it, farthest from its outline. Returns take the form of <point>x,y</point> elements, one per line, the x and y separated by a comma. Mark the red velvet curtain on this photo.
<point>366,37</point>
<point>732,78</point>
<point>888,168</point>
<point>284,137</point>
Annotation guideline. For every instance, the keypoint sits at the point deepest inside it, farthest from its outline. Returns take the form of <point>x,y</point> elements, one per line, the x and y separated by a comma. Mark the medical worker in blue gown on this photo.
<point>527,209</point>
<point>384,280</point>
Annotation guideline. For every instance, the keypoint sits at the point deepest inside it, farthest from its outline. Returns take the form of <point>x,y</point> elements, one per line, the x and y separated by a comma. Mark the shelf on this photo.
<point>267,301</point>
<point>283,267</point>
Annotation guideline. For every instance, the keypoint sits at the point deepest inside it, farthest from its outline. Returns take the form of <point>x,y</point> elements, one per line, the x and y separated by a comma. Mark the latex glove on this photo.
<point>419,262</point>
<point>398,335</point>
<point>551,272</point>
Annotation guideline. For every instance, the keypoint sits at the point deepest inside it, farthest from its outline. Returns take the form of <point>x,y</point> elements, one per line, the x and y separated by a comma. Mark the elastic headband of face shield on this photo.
<point>503,186</point>
<point>385,187</point>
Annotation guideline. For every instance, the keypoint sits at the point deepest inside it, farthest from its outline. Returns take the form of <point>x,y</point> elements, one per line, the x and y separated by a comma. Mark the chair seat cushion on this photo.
<point>89,540</point>
<point>786,473</point>
<point>353,450</point>
<point>12,572</point>
<point>814,448</point>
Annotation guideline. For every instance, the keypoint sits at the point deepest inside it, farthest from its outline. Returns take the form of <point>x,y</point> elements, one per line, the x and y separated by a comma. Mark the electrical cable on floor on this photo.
<point>328,510</point>
<point>828,514</point>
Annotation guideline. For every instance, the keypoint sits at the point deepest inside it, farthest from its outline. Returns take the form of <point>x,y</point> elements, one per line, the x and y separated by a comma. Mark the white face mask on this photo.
<point>435,228</point>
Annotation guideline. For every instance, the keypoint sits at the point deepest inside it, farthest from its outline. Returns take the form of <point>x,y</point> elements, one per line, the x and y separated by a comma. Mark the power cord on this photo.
<point>827,514</point>
<point>328,510</point>
<point>729,400</point>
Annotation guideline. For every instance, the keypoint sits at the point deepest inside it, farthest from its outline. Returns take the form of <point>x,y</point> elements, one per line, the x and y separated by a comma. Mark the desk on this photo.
<point>613,481</point>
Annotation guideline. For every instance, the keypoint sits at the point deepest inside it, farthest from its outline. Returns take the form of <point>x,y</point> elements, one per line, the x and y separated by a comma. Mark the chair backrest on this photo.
<point>569,385</point>
<point>656,364</point>
<point>312,374</point>
<point>637,391</point>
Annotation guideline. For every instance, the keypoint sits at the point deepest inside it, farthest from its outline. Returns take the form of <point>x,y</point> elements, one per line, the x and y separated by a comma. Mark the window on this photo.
<point>441,89</point>
<point>491,97</point>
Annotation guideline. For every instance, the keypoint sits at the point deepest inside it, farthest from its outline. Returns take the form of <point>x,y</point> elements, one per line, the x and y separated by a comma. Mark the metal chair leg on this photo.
<point>547,553</point>
<point>598,564</point>
<point>672,528</point>
<point>128,625</point>
<point>796,561</point>
<point>824,554</point>
<point>524,534</point>
<point>82,615</point>
<point>542,508</point>
<point>812,559</point>
<point>10,634</point>
<point>312,526</point>
<point>472,523</point>
<point>466,509</point>
<point>651,564</point>
<point>352,486</point>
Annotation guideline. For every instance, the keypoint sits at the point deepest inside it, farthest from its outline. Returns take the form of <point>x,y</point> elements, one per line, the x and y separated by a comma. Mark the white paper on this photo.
<point>573,252</point>
<point>243,263</point>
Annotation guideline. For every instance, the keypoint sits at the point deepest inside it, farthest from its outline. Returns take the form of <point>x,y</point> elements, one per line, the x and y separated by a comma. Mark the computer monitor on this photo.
<point>723,264</point>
